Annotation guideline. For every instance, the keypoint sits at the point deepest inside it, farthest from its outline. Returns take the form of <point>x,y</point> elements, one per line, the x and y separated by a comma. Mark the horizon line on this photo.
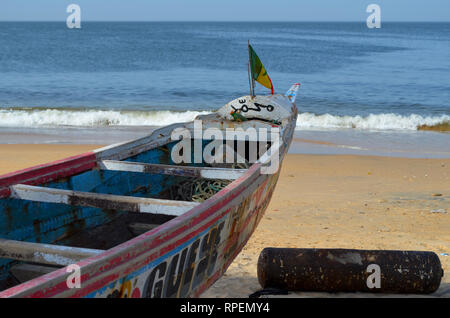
<point>229,21</point>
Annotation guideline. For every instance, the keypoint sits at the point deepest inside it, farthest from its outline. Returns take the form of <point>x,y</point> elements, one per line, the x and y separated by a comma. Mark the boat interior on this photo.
<point>54,224</point>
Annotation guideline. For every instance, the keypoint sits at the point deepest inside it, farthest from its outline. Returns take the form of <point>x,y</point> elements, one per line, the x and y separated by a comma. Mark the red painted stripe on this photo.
<point>250,217</point>
<point>106,280</point>
<point>209,282</point>
<point>48,172</point>
<point>49,292</point>
<point>223,198</point>
<point>97,285</point>
<point>224,268</point>
<point>271,85</point>
<point>47,168</point>
<point>5,193</point>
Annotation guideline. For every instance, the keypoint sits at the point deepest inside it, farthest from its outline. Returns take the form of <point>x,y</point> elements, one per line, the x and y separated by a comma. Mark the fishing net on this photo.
<point>199,189</point>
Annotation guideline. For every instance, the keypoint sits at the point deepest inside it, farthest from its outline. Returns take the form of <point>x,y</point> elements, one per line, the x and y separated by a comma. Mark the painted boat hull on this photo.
<point>180,258</point>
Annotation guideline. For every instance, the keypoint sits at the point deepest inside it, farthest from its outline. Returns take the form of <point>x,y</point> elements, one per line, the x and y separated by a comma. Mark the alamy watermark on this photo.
<point>374,279</point>
<point>252,146</point>
<point>74,279</point>
<point>74,19</point>
<point>374,19</point>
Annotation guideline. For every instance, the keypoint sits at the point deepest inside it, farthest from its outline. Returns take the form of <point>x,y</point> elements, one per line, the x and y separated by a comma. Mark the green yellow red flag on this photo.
<point>259,73</point>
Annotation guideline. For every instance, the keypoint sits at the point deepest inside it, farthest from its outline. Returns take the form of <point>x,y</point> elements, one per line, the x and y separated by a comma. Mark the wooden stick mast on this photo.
<point>251,81</point>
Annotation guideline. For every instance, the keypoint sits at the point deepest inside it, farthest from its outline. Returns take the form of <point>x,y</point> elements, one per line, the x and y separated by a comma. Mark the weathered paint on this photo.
<point>292,92</point>
<point>48,172</point>
<point>96,200</point>
<point>180,258</point>
<point>47,222</point>
<point>345,270</point>
<point>185,171</point>
<point>44,253</point>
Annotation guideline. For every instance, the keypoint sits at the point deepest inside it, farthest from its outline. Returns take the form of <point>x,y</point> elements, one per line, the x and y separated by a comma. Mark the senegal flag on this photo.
<point>259,73</point>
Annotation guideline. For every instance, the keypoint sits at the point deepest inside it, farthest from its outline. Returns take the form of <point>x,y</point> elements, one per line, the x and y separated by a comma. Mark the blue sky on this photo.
<point>225,10</point>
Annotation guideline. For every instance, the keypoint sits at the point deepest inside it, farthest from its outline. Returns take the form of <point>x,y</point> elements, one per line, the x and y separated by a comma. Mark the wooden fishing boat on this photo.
<point>126,221</point>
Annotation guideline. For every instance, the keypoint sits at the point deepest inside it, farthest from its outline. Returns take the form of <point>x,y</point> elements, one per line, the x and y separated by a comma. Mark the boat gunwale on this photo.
<point>49,285</point>
<point>47,172</point>
<point>201,213</point>
<point>70,166</point>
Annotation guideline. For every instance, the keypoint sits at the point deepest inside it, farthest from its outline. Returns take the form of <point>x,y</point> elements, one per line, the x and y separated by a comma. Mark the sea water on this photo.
<point>361,88</point>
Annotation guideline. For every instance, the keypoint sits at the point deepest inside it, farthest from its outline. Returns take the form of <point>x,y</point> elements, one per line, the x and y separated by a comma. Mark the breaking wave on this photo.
<point>42,117</point>
<point>91,118</point>
<point>371,122</point>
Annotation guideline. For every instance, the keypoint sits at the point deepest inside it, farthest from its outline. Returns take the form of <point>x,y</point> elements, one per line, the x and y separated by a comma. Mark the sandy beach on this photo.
<point>345,201</point>
<point>325,201</point>
<point>20,156</point>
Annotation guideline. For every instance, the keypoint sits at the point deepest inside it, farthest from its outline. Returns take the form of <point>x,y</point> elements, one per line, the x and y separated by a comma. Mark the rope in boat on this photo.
<point>204,189</point>
<point>199,189</point>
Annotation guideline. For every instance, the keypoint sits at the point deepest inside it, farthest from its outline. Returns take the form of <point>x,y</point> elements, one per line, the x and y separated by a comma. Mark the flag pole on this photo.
<point>250,73</point>
<point>249,78</point>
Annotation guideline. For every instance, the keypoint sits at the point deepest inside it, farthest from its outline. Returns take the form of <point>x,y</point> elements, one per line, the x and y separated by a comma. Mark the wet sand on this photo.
<point>325,201</point>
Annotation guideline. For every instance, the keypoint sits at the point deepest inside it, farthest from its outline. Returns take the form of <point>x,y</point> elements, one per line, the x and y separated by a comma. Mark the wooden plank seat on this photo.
<point>50,254</point>
<point>103,201</point>
<point>185,171</point>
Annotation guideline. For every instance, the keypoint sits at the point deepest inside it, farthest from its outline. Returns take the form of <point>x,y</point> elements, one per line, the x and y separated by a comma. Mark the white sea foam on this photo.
<point>371,122</point>
<point>39,117</point>
<point>91,118</point>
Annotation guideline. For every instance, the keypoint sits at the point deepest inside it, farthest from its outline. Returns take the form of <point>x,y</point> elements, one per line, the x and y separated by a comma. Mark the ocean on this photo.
<point>355,81</point>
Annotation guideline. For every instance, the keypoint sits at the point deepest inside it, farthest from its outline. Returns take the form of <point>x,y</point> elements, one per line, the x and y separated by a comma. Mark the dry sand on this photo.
<point>357,202</point>
<point>19,156</point>
<point>325,201</point>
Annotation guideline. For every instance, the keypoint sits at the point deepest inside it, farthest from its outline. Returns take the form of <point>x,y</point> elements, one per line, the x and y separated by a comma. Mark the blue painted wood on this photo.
<point>50,222</point>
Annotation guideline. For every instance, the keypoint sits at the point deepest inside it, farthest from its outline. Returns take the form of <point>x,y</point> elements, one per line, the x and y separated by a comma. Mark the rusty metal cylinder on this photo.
<point>345,270</point>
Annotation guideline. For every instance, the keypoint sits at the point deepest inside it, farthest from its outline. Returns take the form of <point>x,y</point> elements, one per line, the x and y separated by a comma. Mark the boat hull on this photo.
<point>180,258</point>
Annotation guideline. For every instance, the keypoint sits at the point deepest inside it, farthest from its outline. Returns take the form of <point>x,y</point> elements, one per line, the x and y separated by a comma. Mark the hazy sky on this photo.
<point>225,10</point>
